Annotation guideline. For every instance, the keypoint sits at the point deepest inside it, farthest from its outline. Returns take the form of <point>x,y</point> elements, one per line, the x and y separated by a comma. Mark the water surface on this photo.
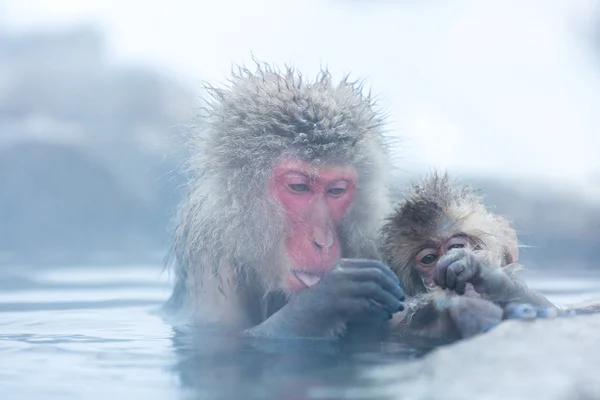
<point>89,333</point>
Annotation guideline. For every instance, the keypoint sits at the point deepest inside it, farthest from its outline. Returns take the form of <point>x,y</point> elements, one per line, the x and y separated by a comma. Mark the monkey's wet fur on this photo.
<point>278,233</point>
<point>457,261</point>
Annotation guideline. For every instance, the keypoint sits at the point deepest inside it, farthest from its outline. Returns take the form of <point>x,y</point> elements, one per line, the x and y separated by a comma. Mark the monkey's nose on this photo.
<point>322,239</point>
<point>322,247</point>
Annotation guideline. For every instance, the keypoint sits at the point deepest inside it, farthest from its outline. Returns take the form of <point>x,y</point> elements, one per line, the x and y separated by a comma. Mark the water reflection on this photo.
<point>81,334</point>
<point>213,365</point>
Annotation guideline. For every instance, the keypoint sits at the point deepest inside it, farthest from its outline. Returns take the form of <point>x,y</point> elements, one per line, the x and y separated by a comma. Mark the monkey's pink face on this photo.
<point>427,258</point>
<point>314,200</point>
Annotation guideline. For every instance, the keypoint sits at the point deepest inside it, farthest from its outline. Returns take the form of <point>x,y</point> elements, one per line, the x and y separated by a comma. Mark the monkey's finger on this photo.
<point>358,307</point>
<point>464,274</point>
<point>452,273</point>
<point>439,275</point>
<point>451,257</point>
<point>547,312</point>
<point>386,314</point>
<point>387,301</point>
<point>364,263</point>
<point>519,311</point>
<point>461,286</point>
<point>372,291</point>
<point>363,311</point>
<point>378,277</point>
<point>377,312</point>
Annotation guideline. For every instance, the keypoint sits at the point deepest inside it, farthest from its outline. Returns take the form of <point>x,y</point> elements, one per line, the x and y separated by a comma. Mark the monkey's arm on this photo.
<point>355,289</point>
<point>442,315</point>
<point>447,316</point>
<point>520,291</point>
<point>500,285</point>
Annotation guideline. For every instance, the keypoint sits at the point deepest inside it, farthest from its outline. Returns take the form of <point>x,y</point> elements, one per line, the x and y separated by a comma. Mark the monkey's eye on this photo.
<point>427,256</point>
<point>336,191</point>
<point>298,187</point>
<point>457,242</point>
<point>428,259</point>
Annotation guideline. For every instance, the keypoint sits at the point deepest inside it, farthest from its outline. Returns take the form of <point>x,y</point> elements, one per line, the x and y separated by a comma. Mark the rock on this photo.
<point>542,359</point>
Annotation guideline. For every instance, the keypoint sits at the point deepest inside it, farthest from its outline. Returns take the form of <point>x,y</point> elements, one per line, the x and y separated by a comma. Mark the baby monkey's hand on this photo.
<point>461,266</point>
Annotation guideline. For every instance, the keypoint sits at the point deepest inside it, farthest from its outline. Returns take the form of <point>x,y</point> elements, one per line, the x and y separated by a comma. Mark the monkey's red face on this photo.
<point>314,199</point>
<point>427,258</point>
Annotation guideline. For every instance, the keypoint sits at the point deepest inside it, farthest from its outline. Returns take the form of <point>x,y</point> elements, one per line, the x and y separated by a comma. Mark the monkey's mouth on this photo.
<point>308,278</point>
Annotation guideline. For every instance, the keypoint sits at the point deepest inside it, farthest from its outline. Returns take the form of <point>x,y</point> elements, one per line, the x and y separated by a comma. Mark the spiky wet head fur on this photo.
<point>227,223</point>
<point>431,210</point>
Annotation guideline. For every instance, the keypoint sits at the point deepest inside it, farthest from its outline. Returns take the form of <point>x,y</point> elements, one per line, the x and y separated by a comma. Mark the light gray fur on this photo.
<point>430,203</point>
<point>435,200</point>
<point>227,227</point>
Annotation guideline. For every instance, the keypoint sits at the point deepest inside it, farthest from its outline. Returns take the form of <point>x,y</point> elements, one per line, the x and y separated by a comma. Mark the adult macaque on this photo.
<point>277,234</point>
<point>442,241</point>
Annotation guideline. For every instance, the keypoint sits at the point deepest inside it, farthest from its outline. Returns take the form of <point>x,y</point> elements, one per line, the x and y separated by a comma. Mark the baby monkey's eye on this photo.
<point>428,259</point>
<point>457,242</point>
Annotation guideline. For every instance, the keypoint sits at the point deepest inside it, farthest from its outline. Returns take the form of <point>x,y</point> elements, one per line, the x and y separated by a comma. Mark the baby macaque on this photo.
<point>457,261</point>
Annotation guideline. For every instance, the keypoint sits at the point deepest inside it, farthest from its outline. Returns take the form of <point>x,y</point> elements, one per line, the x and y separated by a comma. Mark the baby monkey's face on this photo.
<point>427,259</point>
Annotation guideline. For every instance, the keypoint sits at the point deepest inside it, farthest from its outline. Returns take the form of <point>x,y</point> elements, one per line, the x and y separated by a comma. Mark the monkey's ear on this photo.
<point>511,243</point>
<point>511,252</point>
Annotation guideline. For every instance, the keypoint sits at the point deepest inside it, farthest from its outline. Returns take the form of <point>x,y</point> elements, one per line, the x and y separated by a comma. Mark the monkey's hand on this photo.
<point>356,289</point>
<point>528,311</point>
<point>474,316</point>
<point>461,266</point>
